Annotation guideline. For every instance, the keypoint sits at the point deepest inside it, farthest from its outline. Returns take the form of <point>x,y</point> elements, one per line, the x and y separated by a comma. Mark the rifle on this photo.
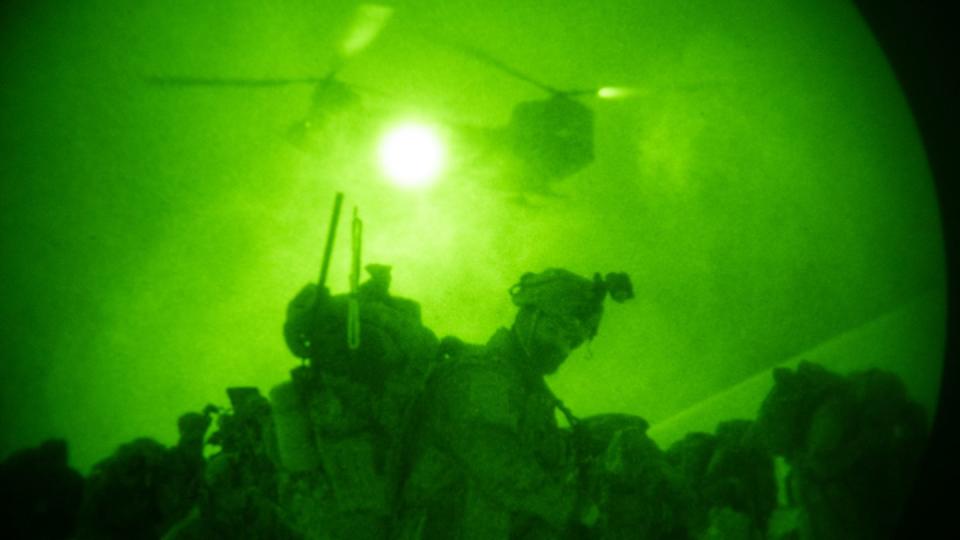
<point>353,312</point>
<point>328,248</point>
<point>303,312</point>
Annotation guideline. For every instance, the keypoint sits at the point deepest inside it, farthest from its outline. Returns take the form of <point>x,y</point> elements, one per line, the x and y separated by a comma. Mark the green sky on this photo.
<point>766,189</point>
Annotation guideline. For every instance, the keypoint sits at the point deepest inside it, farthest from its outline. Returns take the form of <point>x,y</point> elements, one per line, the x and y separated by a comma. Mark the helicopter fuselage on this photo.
<point>553,138</point>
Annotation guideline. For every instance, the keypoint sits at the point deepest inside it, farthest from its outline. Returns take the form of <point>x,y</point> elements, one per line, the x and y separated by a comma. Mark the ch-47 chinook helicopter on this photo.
<point>545,141</point>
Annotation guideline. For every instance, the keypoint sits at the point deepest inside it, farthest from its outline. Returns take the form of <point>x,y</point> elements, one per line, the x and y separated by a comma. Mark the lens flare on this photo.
<point>411,155</point>
<point>616,92</point>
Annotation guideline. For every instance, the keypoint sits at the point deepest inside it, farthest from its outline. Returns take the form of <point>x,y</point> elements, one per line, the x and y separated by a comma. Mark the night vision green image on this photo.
<point>460,269</point>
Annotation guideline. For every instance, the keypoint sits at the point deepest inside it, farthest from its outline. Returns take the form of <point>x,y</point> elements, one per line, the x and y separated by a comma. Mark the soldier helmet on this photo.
<point>563,294</point>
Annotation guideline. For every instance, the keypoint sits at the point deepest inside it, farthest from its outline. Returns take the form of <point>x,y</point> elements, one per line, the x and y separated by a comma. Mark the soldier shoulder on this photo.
<point>470,388</point>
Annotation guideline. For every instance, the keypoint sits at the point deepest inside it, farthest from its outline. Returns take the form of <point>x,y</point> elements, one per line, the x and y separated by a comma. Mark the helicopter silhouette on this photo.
<point>335,104</point>
<point>544,142</point>
<point>548,140</point>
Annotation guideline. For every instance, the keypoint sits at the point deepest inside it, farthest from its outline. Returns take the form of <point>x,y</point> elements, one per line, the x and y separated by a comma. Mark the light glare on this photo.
<point>411,155</point>
<point>615,92</point>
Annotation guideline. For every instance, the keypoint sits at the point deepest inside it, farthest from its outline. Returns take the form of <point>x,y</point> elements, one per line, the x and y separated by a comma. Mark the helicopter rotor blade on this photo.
<point>234,82</point>
<point>488,59</point>
<point>367,23</point>
<point>582,92</point>
<point>604,92</point>
<point>616,93</point>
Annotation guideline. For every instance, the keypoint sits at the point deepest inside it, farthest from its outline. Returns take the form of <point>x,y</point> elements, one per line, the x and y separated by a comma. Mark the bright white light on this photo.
<point>616,92</point>
<point>411,155</point>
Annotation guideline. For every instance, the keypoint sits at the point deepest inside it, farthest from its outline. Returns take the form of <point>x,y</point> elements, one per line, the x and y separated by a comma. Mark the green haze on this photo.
<point>766,189</point>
